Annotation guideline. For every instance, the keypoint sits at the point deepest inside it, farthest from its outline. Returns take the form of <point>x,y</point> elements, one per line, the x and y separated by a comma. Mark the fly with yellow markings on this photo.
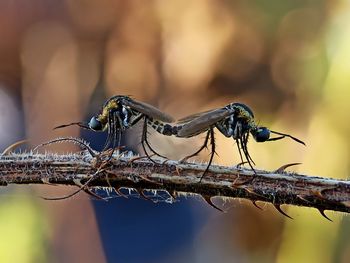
<point>235,120</point>
<point>120,113</point>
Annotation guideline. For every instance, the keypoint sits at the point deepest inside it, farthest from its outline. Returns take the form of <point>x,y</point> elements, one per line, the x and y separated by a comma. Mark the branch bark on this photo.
<point>278,187</point>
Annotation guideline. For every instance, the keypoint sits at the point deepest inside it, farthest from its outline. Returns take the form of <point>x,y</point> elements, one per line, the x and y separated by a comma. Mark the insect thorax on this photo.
<point>241,121</point>
<point>125,115</point>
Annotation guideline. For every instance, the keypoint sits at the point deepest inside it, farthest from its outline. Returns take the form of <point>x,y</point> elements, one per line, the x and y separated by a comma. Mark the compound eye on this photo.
<point>262,134</point>
<point>95,124</point>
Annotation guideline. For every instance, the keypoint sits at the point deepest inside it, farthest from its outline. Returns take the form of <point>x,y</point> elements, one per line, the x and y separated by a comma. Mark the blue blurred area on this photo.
<point>137,230</point>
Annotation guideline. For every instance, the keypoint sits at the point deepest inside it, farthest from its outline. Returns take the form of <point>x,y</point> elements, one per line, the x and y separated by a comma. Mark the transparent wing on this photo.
<point>204,120</point>
<point>193,116</point>
<point>148,110</point>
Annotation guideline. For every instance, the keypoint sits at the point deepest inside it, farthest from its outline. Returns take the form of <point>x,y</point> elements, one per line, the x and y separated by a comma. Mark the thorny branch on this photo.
<point>126,171</point>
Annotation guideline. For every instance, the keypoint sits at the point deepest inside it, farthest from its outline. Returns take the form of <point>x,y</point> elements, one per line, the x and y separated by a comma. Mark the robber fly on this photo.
<point>235,120</point>
<point>120,113</point>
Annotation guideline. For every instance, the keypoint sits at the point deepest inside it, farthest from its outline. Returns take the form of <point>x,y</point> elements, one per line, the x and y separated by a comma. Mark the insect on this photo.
<point>120,113</point>
<point>235,120</point>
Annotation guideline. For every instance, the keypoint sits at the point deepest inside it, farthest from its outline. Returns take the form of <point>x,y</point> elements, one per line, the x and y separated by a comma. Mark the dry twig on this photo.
<point>278,187</point>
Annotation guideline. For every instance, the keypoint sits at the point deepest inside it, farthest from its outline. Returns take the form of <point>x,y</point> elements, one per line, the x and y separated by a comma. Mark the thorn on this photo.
<point>251,191</point>
<point>238,185</point>
<point>278,207</point>
<point>132,160</point>
<point>207,198</point>
<point>150,180</point>
<point>303,198</point>
<point>177,169</point>
<point>284,167</point>
<point>324,215</point>
<point>238,166</point>
<point>255,204</point>
<point>118,192</point>
<point>318,194</point>
<point>13,146</point>
<point>142,194</point>
<point>172,193</point>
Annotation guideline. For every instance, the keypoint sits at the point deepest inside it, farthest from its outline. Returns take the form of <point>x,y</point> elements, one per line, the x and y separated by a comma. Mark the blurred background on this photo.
<point>288,60</point>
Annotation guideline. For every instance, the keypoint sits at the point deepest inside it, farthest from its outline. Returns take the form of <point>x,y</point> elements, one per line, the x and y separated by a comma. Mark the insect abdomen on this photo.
<point>162,128</point>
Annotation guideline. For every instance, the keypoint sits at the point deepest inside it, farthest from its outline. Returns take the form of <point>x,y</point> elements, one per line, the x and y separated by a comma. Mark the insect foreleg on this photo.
<point>146,140</point>
<point>239,151</point>
<point>110,131</point>
<point>245,142</point>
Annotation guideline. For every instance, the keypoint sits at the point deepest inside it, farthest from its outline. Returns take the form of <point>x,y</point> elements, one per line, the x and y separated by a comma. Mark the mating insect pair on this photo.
<point>235,120</point>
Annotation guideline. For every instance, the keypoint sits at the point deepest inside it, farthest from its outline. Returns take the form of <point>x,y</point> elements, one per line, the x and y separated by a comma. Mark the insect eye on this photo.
<point>95,124</point>
<point>262,134</point>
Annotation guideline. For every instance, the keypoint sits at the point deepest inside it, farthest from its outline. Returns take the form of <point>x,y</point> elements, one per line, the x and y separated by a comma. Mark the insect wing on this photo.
<point>193,116</point>
<point>148,110</point>
<point>203,122</point>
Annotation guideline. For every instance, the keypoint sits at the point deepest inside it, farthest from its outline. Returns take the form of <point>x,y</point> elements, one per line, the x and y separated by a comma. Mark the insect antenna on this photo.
<point>80,124</point>
<point>112,138</point>
<point>285,135</point>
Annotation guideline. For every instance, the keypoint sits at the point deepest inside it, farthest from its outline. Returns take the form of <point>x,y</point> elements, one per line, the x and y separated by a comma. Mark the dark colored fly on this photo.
<point>120,113</point>
<point>235,120</point>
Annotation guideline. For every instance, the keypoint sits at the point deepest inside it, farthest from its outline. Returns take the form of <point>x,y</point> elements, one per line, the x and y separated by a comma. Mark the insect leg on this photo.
<point>244,149</point>
<point>116,135</point>
<point>110,132</point>
<point>212,142</point>
<point>205,144</point>
<point>152,150</point>
<point>144,138</point>
<point>245,138</point>
<point>246,154</point>
<point>240,153</point>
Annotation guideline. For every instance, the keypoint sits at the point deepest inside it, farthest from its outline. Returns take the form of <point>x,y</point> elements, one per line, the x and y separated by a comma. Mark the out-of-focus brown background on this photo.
<point>288,60</point>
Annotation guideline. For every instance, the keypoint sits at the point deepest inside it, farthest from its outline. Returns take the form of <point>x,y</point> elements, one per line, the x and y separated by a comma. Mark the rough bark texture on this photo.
<point>277,187</point>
